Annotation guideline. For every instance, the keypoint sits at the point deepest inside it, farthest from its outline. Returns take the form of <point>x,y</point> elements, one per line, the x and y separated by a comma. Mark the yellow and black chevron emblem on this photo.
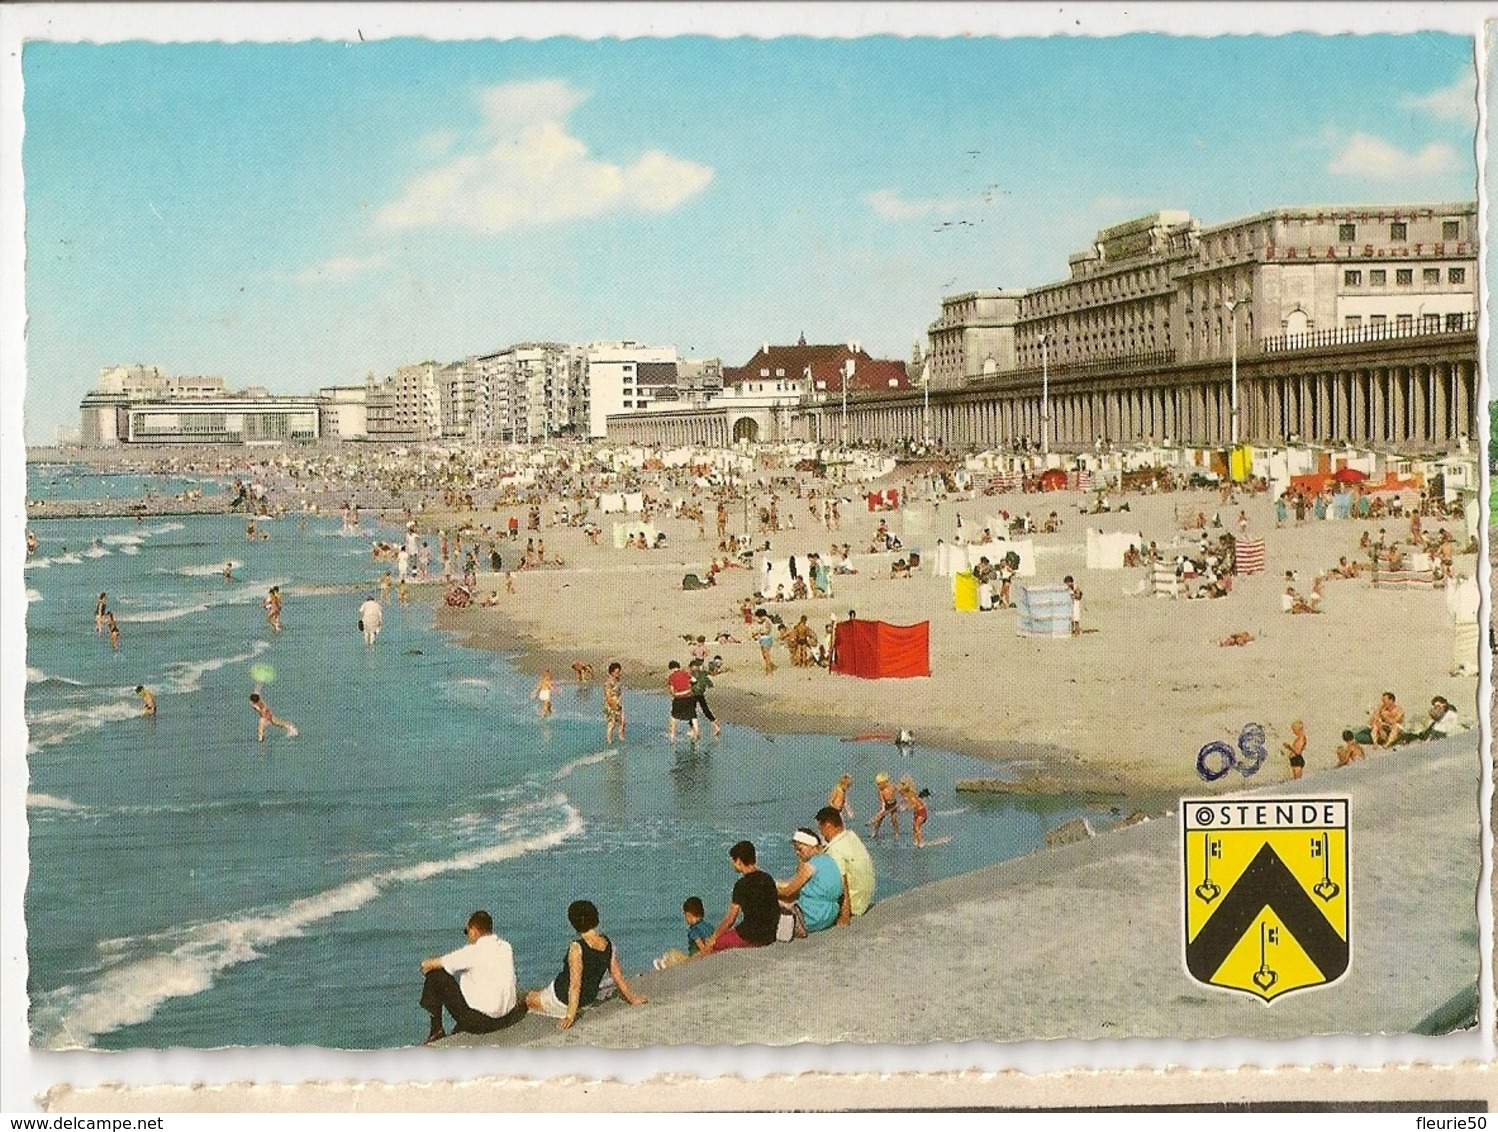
<point>1265,893</point>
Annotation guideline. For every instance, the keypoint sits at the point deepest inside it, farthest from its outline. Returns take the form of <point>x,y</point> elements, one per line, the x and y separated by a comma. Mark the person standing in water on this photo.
<point>228,571</point>
<point>267,719</point>
<point>273,608</point>
<point>148,699</point>
<point>613,703</point>
<point>542,693</point>
<point>101,607</point>
<point>371,619</point>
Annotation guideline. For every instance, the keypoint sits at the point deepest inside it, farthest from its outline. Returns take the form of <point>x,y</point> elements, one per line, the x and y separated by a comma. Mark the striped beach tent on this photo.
<point>1163,580</point>
<point>1249,558</point>
<point>1403,579</point>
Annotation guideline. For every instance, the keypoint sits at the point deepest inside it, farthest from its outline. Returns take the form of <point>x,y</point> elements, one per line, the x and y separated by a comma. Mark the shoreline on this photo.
<point>532,654</point>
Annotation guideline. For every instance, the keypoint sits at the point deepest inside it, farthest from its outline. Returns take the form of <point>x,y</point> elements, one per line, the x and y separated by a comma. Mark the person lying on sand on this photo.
<point>1242,637</point>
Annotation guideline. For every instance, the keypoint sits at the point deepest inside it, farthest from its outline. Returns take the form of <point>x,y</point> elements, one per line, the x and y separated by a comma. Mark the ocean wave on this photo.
<point>68,559</point>
<point>95,552</point>
<point>130,548</point>
<point>188,676</point>
<point>586,760</point>
<point>241,595</point>
<point>37,676</point>
<point>209,569</point>
<point>49,802</point>
<point>33,595</point>
<point>145,972</point>
<point>58,725</point>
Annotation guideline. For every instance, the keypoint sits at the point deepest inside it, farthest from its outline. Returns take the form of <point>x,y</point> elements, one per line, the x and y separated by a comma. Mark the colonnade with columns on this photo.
<point>1414,405</point>
<point>1357,398</point>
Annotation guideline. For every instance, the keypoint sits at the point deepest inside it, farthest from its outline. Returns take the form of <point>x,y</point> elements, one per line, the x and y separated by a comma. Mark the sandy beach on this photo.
<point>1122,709</point>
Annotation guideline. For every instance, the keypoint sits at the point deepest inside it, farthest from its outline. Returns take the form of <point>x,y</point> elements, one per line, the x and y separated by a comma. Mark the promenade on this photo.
<point>1084,942</point>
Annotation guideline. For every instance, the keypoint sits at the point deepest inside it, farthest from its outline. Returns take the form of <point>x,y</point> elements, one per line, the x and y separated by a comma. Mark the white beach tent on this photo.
<point>611,503</point>
<point>1024,547</point>
<point>626,530</point>
<point>1105,551</point>
<point>774,572</point>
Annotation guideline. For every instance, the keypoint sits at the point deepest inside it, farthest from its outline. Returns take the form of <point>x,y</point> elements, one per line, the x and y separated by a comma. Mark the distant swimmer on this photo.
<point>100,608</point>
<point>31,543</point>
<point>371,619</point>
<point>228,571</point>
<point>262,709</point>
<point>114,631</point>
<point>148,698</point>
<point>249,531</point>
<point>273,608</point>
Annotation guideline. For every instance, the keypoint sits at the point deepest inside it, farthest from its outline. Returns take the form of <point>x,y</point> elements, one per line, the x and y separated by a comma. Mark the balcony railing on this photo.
<point>1378,332</point>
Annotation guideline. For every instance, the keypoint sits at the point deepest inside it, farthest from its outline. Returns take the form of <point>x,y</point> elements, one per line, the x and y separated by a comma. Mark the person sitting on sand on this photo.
<point>754,904</point>
<point>1242,637</point>
<point>1350,751</point>
<point>475,984</point>
<point>588,957</point>
<point>491,601</point>
<point>1386,723</point>
<point>1296,749</point>
<point>698,932</point>
<point>853,861</point>
<point>1442,720</point>
<point>816,888</point>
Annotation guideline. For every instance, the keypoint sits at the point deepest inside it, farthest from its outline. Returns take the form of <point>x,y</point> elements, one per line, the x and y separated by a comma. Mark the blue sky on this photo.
<point>298,214</point>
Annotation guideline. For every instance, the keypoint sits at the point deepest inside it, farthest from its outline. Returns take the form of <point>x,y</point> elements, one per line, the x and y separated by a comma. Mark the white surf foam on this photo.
<point>48,728</point>
<point>242,595</point>
<point>95,552</point>
<point>188,676</point>
<point>209,569</point>
<point>49,802</point>
<point>151,970</point>
<point>33,595</point>
<point>586,760</point>
<point>37,676</point>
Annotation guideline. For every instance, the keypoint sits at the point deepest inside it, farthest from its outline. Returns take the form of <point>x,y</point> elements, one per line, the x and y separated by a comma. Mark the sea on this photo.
<point>192,887</point>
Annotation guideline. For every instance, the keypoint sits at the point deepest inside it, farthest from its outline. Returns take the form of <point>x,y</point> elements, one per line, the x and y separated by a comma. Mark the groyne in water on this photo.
<point>125,508</point>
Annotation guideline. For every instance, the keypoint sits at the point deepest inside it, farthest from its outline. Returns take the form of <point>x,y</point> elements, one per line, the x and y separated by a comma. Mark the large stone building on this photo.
<point>1162,288</point>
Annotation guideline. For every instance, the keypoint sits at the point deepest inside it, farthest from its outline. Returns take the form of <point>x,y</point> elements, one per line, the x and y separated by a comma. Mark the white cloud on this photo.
<point>1376,159</point>
<point>523,168</point>
<point>889,204</point>
<point>339,268</point>
<point>1457,102</point>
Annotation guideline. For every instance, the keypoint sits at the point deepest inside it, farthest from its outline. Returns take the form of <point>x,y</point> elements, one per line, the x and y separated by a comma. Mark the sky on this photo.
<point>301,214</point>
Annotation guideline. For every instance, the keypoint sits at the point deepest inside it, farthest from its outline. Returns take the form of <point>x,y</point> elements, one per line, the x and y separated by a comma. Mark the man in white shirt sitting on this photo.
<point>475,983</point>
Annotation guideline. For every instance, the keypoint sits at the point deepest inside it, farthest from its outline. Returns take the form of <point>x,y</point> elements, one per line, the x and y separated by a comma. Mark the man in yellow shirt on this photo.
<point>853,861</point>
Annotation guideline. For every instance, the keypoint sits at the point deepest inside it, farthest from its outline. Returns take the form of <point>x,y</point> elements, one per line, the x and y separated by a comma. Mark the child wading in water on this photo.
<point>917,806</point>
<point>543,693</point>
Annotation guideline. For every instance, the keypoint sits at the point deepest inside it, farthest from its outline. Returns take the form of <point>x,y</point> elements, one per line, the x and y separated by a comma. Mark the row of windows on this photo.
<point>1399,231</point>
<point>1404,276</point>
<point>1429,322</point>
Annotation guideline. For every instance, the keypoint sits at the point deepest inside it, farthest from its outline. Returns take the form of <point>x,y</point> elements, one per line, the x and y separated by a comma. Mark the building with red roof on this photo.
<point>824,364</point>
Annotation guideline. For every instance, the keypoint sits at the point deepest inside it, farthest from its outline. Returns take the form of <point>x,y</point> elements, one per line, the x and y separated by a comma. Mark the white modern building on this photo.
<point>626,377</point>
<point>345,411</point>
